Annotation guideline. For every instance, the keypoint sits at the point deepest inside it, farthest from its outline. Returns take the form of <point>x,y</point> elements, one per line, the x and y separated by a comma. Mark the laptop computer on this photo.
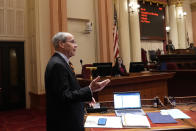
<point>127,102</point>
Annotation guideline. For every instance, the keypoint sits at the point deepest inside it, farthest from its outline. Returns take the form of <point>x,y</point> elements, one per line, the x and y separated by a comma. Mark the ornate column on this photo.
<point>37,50</point>
<point>124,32</point>
<point>173,34</point>
<point>167,20</point>
<point>105,20</point>
<point>188,22</point>
<point>134,31</point>
<point>180,25</point>
<point>58,17</point>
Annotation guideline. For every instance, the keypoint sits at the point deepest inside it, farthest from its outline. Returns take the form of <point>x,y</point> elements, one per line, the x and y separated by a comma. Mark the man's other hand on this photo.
<point>92,103</point>
<point>98,86</point>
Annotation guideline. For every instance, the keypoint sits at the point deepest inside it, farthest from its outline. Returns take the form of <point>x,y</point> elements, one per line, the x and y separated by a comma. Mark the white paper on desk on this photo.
<point>135,121</point>
<point>176,114</point>
<point>96,105</point>
<point>112,122</point>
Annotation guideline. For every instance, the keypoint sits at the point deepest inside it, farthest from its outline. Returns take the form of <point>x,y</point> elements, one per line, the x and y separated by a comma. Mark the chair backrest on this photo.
<point>152,55</point>
<point>144,56</point>
<point>86,72</point>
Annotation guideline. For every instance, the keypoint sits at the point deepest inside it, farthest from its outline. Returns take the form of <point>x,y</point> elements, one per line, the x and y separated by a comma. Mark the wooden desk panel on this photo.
<point>183,83</point>
<point>147,89</point>
<point>177,58</point>
<point>150,84</point>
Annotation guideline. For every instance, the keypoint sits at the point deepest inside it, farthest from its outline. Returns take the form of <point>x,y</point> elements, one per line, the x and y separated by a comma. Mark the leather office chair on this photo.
<point>86,73</point>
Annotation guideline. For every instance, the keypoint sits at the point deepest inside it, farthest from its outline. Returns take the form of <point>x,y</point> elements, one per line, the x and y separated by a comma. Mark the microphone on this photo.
<point>81,62</point>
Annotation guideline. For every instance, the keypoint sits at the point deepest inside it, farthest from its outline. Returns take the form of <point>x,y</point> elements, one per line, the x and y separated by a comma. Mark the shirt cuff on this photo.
<point>91,91</point>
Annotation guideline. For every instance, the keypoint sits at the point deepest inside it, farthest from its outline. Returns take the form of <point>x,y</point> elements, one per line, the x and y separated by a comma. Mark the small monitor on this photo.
<point>127,100</point>
<point>136,66</point>
<point>103,69</point>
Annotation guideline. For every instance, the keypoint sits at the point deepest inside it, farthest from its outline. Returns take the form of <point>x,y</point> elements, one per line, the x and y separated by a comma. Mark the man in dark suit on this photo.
<point>64,96</point>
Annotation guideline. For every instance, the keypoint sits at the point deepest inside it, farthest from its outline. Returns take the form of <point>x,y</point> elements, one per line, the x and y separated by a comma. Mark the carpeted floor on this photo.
<point>22,120</point>
<point>32,120</point>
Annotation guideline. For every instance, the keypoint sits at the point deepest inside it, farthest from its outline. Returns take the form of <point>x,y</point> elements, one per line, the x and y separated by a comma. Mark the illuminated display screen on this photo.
<point>152,25</point>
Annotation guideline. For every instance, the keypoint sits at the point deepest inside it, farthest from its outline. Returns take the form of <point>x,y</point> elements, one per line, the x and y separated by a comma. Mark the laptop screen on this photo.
<point>127,100</point>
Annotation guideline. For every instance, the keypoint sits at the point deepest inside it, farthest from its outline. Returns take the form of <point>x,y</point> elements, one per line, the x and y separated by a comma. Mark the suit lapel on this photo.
<point>66,64</point>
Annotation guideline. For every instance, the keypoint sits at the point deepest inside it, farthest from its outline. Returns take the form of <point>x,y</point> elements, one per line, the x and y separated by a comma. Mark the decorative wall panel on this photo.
<point>12,19</point>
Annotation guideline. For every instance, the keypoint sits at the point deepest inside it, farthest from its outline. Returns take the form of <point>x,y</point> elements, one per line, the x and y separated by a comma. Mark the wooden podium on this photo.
<point>183,83</point>
<point>150,84</point>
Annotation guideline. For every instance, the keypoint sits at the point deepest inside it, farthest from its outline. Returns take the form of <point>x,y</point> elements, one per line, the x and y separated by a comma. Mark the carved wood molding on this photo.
<point>164,2</point>
<point>178,3</point>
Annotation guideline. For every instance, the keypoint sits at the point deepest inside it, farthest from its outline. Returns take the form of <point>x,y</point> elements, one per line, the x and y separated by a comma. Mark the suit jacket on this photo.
<point>64,97</point>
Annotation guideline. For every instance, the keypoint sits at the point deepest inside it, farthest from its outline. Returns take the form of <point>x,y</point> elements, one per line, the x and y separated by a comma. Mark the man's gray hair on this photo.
<point>60,36</point>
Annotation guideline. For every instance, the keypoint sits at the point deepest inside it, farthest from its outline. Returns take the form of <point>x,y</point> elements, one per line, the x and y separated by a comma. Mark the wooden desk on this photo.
<point>183,83</point>
<point>150,84</point>
<point>186,124</point>
<point>186,109</point>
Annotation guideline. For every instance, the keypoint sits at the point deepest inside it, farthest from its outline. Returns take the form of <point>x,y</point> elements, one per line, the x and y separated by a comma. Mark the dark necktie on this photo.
<point>71,66</point>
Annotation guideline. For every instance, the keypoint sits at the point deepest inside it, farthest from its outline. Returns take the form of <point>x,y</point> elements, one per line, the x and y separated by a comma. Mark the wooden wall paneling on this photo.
<point>10,22</point>
<point>38,102</point>
<point>12,19</point>
<point>19,22</point>
<point>2,21</point>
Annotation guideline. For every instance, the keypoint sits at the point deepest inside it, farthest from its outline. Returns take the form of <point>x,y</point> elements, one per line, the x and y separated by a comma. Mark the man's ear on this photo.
<point>61,44</point>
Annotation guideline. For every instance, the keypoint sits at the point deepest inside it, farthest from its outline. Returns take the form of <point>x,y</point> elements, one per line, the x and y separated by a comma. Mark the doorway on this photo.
<point>12,78</point>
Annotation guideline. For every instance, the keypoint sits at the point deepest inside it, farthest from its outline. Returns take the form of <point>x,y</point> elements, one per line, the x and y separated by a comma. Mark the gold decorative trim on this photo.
<point>162,2</point>
<point>178,3</point>
<point>172,2</point>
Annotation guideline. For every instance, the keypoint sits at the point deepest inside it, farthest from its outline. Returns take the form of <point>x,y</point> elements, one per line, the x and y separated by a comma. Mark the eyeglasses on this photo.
<point>72,41</point>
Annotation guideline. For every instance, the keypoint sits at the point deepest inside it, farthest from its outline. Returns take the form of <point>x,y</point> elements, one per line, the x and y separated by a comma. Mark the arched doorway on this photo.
<point>12,79</point>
